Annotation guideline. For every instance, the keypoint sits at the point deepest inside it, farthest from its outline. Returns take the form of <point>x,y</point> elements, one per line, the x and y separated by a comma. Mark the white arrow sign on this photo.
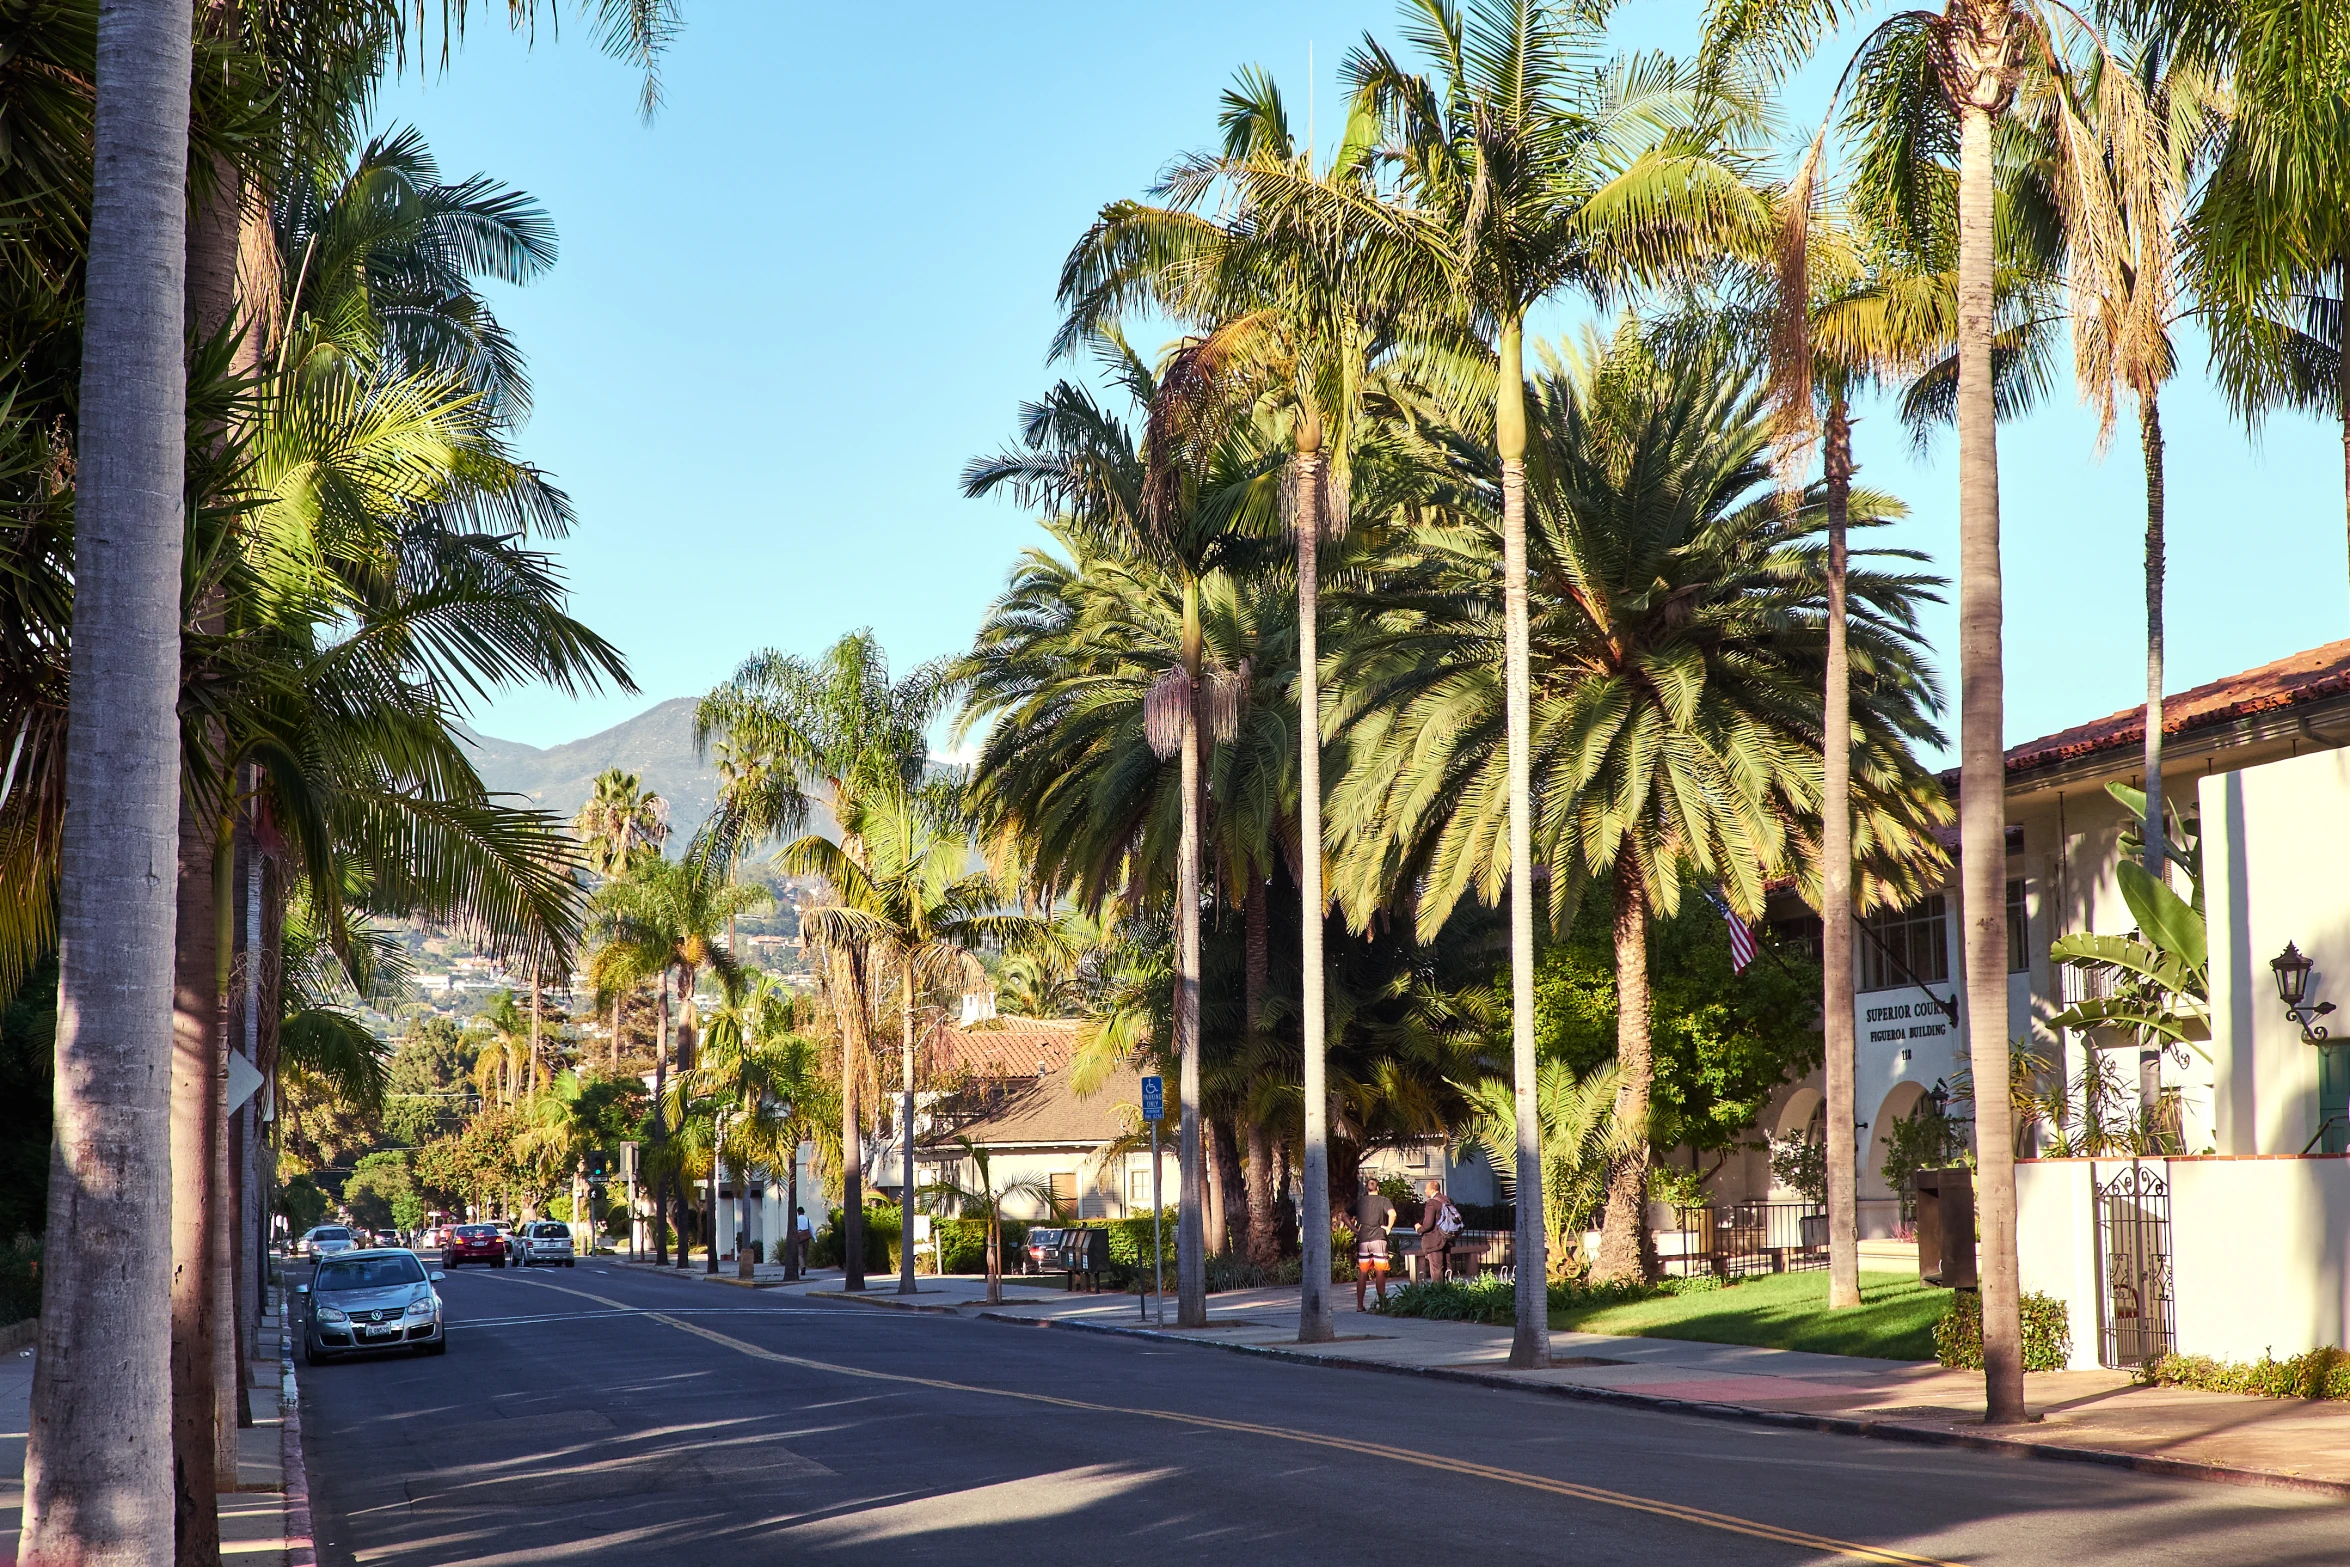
<point>243,1078</point>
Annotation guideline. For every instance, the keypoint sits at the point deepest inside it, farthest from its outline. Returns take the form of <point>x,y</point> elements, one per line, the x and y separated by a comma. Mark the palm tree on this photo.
<point>837,727</point>
<point>983,1193</point>
<point>1151,504</point>
<point>911,905</point>
<point>1842,307</point>
<point>754,1069</point>
<point>1523,172</point>
<point>101,1490</point>
<point>1676,732</point>
<point>621,823</point>
<point>2269,250</point>
<point>661,920</point>
<point>1961,63</point>
<point>1290,320</point>
<point>2127,138</point>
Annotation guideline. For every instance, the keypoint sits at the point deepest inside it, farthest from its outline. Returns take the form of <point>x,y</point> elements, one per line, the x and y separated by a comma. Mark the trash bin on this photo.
<point>1946,1227</point>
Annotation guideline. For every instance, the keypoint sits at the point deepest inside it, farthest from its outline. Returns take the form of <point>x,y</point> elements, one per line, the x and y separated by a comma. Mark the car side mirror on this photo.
<point>436,1275</point>
<point>301,1289</point>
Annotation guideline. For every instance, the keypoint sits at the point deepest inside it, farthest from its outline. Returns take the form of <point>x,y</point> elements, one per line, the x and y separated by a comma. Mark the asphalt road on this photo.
<point>608,1418</point>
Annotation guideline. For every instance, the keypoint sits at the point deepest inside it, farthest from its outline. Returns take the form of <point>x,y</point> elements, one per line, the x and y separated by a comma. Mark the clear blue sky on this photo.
<point>792,307</point>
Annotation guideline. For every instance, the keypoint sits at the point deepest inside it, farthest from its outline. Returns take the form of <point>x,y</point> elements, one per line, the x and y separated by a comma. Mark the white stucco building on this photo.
<point>2240,1244</point>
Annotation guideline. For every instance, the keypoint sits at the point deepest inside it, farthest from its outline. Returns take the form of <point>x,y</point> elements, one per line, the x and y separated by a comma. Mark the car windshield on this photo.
<point>368,1273</point>
<point>550,1230</point>
<point>474,1232</point>
<point>332,1235</point>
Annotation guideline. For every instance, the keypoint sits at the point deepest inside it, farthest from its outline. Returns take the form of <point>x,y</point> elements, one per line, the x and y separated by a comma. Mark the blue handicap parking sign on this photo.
<point>1154,1098</point>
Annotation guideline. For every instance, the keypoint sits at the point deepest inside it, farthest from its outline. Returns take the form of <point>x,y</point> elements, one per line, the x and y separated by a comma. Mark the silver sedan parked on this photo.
<point>327,1239</point>
<point>360,1300</point>
<point>543,1241</point>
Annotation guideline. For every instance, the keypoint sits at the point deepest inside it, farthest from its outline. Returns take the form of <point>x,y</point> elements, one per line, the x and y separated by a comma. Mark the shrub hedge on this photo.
<point>2316,1373</point>
<point>1495,1300</point>
<point>2048,1333</point>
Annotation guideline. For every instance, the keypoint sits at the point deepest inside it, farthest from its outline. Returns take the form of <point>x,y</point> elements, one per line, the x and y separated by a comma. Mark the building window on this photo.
<point>1064,1190</point>
<point>1138,1188</point>
<point>1905,946</point>
<point>2019,929</point>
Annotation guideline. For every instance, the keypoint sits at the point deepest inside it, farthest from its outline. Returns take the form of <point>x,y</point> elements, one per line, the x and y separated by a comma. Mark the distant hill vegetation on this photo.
<point>657,745</point>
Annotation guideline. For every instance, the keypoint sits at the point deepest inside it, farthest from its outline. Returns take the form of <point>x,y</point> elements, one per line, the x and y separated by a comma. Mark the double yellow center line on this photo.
<point>1702,1517</point>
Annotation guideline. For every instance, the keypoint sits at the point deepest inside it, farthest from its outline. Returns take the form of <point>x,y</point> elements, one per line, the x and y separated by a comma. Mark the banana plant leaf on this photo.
<point>2124,1012</point>
<point>2166,919</point>
<point>2164,970</point>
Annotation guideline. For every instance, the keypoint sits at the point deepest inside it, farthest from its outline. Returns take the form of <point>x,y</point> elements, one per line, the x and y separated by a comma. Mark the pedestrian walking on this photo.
<point>1374,1217</point>
<point>1440,1221</point>
<point>802,1236</point>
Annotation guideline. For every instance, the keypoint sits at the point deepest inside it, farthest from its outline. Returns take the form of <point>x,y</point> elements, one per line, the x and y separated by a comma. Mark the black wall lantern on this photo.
<point>2292,970</point>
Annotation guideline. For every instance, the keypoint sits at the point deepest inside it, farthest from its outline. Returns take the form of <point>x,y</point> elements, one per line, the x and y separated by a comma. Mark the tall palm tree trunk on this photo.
<point>1227,1192</point>
<point>220,1275</point>
<point>1836,885</point>
<point>1191,1270</point>
<point>2150,439</point>
<point>1313,1307</point>
<point>717,1173</point>
<point>1530,1344</point>
<point>2342,376</point>
<point>194,1126</point>
<point>792,1259</point>
<point>1264,1239</point>
<point>536,1076</point>
<point>1982,799</point>
<point>906,1126</point>
<point>98,1477</point>
<point>1626,1249</point>
<point>660,1131</point>
<point>849,1008</point>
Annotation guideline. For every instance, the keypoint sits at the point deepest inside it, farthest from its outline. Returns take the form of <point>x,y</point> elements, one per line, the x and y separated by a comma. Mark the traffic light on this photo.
<point>599,1167</point>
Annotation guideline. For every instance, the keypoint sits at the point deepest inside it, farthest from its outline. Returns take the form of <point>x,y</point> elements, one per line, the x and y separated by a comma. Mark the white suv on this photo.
<point>543,1240</point>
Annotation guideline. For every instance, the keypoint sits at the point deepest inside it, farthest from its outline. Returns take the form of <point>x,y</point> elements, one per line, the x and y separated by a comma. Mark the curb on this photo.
<point>892,1303</point>
<point>1838,1425</point>
<point>301,1550</point>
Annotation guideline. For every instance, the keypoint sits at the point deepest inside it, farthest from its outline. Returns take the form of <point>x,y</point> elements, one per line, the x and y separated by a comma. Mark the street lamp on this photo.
<point>2292,971</point>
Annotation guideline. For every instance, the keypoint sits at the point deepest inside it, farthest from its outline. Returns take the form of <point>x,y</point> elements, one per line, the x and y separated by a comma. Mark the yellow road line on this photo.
<point>1703,1517</point>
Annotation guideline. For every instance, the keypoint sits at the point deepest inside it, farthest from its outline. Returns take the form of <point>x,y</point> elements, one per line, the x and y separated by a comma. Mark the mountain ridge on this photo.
<point>657,745</point>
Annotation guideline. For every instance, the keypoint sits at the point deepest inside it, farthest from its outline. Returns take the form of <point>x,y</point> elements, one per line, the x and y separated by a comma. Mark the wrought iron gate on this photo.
<point>2134,1267</point>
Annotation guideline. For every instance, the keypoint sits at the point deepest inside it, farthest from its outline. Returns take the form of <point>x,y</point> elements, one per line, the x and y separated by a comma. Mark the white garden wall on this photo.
<point>2260,1249</point>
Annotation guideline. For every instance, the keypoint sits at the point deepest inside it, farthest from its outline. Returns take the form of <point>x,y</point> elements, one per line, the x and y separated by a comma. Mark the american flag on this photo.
<point>1741,939</point>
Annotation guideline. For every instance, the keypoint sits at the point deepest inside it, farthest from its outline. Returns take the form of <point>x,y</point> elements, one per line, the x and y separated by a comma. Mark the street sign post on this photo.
<point>1154,1105</point>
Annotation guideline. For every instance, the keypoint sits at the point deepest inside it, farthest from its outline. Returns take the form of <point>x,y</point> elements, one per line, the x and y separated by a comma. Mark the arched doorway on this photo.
<point>1904,1098</point>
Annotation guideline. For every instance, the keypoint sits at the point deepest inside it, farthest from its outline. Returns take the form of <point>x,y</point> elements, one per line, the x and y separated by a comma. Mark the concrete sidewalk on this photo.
<point>257,1527</point>
<point>2099,1416</point>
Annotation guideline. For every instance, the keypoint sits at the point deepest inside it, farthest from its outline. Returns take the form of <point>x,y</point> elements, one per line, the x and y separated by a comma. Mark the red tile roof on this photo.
<point>2307,676</point>
<point>1001,1047</point>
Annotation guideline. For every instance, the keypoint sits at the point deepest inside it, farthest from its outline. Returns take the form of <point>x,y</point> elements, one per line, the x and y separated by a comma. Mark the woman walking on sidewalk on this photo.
<point>1374,1216</point>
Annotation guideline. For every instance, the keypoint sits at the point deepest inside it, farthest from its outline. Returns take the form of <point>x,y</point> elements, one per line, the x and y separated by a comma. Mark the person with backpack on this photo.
<point>1440,1221</point>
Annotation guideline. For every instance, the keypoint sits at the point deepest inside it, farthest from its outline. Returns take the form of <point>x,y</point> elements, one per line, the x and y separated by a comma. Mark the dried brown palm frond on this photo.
<point>1166,710</point>
<point>1222,697</point>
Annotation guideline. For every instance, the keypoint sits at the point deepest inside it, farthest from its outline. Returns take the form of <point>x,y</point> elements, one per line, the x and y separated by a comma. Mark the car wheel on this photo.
<point>439,1346</point>
<point>312,1355</point>
<point>570,1262</point>
<point>498,1262</point>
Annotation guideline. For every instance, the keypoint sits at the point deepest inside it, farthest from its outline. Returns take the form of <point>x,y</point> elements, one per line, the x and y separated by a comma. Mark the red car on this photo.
<point>474,1243</point>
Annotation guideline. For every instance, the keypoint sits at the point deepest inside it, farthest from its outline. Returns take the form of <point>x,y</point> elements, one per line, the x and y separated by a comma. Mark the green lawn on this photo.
<point>1895,1319</point>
